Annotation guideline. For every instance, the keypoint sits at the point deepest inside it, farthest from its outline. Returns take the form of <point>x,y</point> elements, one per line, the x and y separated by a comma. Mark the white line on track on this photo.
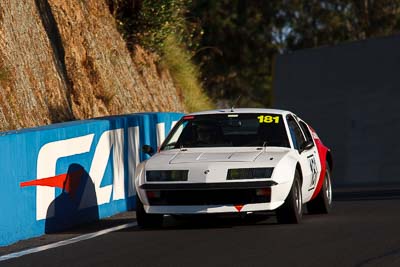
<point>67,242</point>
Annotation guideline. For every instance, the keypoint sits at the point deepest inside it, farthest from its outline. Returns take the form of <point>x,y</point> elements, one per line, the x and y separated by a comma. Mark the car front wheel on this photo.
<point>292,209</point>
<point>322,203</point>
<point>146,220</point>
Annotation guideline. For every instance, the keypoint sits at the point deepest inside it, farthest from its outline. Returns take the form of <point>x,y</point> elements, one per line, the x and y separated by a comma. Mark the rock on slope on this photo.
<point>64,60</point>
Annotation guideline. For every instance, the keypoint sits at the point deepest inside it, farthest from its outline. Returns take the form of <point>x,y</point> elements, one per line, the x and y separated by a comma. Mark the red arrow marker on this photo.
<point>68,181</point>
<point>239,207</point>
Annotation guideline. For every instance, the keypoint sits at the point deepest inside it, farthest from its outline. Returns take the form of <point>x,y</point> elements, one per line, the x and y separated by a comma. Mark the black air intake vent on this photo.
<point>167,175</point>
<point>249,173</point>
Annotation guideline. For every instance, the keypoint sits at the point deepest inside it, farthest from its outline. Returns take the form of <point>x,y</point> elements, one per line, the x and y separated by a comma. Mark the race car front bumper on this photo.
<point>212,208</point>
<point>197,198</point>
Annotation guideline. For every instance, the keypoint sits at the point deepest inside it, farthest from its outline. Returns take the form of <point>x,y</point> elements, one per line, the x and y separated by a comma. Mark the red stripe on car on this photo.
<point>322,151</point>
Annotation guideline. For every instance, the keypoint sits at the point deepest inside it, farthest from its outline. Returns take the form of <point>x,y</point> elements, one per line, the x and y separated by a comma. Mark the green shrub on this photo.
<point>160,26</point>
<point>150,22</point>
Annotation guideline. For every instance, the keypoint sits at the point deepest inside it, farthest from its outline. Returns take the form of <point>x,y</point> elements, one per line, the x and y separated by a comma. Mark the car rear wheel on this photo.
<point>146,220</point>
<point>292,209</point>
<point>322,203</point>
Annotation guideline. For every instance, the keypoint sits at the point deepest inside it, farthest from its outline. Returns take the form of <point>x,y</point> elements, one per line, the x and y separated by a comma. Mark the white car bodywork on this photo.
<point>209,165</point>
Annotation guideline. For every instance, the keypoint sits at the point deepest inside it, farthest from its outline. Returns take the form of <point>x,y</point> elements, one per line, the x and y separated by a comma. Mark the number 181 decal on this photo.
<point>268,119</point>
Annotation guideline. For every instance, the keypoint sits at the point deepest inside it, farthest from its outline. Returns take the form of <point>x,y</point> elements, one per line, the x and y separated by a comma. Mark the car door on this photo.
<point>308,157</point>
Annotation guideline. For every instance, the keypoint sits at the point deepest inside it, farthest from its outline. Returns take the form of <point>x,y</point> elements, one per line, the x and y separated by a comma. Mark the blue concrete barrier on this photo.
<point>61,175</point>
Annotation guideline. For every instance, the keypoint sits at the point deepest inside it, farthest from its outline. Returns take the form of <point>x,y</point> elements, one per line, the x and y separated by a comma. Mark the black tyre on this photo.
<point>146,220</point>
<point>322,203</point>
<point>292,210</point>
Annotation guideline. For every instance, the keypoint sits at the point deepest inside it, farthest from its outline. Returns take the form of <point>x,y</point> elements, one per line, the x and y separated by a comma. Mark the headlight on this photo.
<point>167,175</point>
<point>249,173</point>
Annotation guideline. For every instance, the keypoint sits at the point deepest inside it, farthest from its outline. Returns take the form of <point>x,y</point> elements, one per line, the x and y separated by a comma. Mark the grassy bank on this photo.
<point>185,75</point>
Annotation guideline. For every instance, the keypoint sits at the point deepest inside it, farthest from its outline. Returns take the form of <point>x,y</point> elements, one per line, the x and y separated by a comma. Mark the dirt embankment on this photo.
<point>65,60</point>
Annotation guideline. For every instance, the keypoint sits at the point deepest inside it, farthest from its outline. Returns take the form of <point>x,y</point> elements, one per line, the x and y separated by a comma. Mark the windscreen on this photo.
<point>228,130</point>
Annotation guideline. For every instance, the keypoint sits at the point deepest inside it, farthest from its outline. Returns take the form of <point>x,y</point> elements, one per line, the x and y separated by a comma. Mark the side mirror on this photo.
<point>306,145</point>
<point>148,150</point>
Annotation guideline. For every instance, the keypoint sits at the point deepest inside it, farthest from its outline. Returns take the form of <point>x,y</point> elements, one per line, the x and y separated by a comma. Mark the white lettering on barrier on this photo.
<point>111,141</point>
<point>134,157</point>
<point>46,167</point>
<point>160,130</point>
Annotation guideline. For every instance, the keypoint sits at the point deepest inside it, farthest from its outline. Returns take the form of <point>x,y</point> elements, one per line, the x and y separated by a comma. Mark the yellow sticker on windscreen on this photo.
<point>268,119</point>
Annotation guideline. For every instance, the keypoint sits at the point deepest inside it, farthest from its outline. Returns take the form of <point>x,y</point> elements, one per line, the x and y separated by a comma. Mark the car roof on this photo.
<point>243,110</point>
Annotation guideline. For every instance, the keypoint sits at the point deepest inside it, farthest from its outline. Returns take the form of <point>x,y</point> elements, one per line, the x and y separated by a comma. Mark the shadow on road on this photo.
<point>210,221</point>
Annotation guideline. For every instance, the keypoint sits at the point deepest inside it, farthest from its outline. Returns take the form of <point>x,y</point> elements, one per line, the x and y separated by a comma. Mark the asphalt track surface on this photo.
<point>362,230</point>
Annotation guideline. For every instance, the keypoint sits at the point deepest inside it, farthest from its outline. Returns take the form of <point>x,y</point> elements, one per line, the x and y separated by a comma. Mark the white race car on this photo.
<point>235,160</point>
